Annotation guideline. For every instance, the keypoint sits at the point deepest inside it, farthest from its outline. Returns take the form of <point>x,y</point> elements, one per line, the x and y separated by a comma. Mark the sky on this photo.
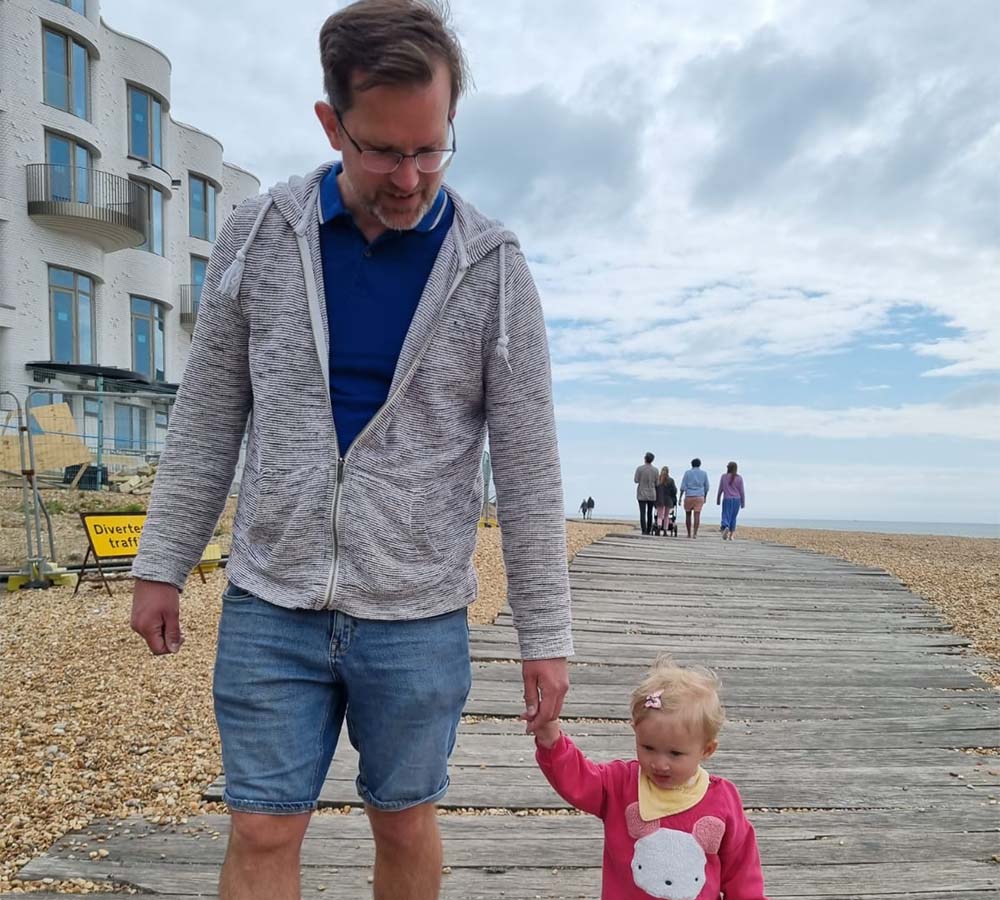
<point>762,231</point>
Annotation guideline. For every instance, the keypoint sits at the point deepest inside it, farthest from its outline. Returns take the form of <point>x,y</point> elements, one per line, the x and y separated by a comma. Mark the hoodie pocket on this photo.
<point>289,514</point>
<point>445,523</point>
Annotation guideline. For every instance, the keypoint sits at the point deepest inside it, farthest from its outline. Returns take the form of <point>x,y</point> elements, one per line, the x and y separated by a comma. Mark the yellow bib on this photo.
<point>656,802</point>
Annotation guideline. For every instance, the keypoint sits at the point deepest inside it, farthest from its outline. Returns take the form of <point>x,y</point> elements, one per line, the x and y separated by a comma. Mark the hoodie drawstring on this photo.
<point>229,284</point>
<point>232,278</point>
<point>503,341</point>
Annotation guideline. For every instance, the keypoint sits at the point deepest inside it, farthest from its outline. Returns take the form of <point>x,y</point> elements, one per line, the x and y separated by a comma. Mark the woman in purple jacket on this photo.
<point>732,497</point>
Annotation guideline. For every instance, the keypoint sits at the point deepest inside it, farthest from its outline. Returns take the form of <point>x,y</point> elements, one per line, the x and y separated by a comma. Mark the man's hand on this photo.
<point>156,616</point>
<point>546,682</point>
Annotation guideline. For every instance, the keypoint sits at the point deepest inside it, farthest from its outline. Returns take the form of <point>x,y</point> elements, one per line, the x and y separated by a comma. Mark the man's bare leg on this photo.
<point>687,521</point>
<point>262,859</point>
<point>697,522</point>
<point>408,853</point>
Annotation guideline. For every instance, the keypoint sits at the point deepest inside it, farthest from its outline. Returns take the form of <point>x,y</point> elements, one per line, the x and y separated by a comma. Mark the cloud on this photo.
<point>528,156</point>
<point>971,422</point>
<point>765,102</point>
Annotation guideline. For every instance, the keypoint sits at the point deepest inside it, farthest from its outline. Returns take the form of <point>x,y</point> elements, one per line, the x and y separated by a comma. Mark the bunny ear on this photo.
<point>708,832</point>
<point>637,828</point>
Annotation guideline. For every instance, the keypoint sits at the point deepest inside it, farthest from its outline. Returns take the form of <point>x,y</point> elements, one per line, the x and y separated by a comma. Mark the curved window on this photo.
<point>66,73</point>
<point>148,344</point>
<point>154,218</point>
<point>79,6</point>
<point>145,126</point>
<point>201,212</point>
<point>70,172</point>
<point>71,316</point>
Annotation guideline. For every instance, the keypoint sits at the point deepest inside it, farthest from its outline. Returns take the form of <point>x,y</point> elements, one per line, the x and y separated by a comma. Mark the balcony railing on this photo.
<point>105,208</point>
<point>190,298</point>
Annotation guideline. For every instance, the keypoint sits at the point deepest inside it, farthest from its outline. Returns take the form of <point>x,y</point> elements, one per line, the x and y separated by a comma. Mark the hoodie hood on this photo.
<point>297,200</point>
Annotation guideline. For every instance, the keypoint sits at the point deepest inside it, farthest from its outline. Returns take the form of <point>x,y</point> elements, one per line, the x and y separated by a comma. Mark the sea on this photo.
<point>951,529</point>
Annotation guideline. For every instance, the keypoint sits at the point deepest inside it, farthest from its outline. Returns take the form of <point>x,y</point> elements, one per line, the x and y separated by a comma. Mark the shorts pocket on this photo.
<point>235,594</point>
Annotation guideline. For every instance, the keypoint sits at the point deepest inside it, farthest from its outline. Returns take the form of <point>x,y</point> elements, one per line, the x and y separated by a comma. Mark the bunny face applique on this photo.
<point>670,864</point>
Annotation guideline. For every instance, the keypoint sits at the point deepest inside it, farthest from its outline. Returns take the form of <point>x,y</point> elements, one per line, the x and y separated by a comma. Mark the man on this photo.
<point>645,478</point>
<point>590,508</point>
<point>694,491</point>
<point>374,324</point>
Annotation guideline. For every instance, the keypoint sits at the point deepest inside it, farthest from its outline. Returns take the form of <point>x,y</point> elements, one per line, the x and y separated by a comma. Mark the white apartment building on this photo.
<point>108,211</point>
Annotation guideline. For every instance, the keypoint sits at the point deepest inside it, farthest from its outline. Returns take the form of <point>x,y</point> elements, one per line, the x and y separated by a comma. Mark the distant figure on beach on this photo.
<point>590,507</point>
<point>671,829</point>
<point>318,292</point>
<point>694,493</point>
<point>645,478</point>
<point>583,508</point>
<point>733,498</point>
<point>666,499</point>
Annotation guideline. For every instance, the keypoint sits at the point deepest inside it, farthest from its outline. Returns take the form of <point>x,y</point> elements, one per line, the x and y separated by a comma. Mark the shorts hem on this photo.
<point>268,807</point>
<point>400,805</point>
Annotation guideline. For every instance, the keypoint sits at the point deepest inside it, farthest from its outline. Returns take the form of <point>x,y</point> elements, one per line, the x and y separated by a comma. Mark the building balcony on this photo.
<point>190,298</point>
<point>103,208</point>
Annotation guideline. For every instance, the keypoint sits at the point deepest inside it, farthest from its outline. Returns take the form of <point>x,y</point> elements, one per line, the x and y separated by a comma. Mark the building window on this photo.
<point>79,6</point>
<point>199,266</point>
<point>161,422</point>
<point>148,348</point>
<point>71,313</point>
<point>66,74</point>
<point>130,427</point>
<point>154,219</point>
<point>202,209</point>
<point>69,169</point>
<point>145,129</point>
<point>91,416</point>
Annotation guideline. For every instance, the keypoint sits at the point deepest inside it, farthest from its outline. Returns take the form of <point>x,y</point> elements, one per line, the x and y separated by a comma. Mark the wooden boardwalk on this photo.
<point>854,715</point>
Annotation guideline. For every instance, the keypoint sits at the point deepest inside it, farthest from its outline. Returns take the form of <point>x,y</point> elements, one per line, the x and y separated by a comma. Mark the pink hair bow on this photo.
<point>653,700</point>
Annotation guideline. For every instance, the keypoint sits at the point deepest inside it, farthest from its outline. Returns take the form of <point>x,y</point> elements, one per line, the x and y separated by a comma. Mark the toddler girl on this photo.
<point>671,830</point>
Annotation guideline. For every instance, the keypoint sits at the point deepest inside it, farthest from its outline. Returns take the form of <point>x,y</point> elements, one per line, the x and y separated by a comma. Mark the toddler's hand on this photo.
<point>547,735</point>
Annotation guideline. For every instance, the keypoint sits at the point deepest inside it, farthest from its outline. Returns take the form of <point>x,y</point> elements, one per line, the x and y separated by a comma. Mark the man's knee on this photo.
<point>256,833</point>
<point>403,828</point>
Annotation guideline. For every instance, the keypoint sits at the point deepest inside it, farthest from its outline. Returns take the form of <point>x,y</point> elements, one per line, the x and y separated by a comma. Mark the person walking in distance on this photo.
<point>733,498</point>
<point>645,478</point>
<point>370,325</point>
<point>694,492</point>
<point>666,499</point>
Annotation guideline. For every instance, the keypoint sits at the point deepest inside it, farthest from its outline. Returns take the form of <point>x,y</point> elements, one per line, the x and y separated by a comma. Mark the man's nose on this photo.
<point>406,178</point>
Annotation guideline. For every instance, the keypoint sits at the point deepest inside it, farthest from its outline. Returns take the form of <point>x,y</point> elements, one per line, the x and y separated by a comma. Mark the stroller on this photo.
<point>672,521</point>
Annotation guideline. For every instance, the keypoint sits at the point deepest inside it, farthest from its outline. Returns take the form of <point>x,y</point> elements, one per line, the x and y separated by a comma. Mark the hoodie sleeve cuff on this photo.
<point>550,643</point>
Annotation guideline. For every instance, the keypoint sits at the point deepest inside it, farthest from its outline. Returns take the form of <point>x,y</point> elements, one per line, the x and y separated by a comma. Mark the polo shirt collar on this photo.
<point>331,203</point>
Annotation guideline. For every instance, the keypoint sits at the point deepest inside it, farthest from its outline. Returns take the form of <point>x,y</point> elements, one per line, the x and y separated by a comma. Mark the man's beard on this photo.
<point>391,221</point>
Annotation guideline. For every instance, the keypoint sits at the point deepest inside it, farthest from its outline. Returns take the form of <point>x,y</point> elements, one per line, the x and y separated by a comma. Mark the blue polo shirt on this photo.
<point>372,291</point>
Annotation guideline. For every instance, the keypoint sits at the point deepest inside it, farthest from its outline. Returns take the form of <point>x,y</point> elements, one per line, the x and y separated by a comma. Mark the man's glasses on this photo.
<point>385,162</point>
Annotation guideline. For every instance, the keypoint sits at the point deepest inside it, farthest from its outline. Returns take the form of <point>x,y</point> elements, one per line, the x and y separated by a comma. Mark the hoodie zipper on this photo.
<point>331,585</point>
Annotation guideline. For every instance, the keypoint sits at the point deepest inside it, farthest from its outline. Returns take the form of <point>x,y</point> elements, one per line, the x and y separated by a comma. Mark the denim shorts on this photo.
<point>285,679</point>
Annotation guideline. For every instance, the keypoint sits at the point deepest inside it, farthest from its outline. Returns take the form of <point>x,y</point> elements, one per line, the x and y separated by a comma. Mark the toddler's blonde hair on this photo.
<point>690,692</point>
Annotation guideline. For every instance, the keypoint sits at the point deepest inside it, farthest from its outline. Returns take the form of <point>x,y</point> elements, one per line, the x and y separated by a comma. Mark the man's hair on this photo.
<point>695,463</point>
<point>388,42</point>
<point>649,458</point>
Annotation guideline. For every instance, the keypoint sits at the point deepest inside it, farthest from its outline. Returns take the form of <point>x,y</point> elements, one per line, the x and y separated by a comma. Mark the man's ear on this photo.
<point>331,127</point>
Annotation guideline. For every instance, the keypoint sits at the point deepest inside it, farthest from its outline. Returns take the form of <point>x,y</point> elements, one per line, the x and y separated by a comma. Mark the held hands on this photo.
<point>156,616</point>
<point>546,735</point>
<point>546,682</point>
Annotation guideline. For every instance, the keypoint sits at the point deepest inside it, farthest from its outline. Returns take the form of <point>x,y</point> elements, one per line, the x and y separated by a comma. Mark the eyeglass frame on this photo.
<point>401,156</point>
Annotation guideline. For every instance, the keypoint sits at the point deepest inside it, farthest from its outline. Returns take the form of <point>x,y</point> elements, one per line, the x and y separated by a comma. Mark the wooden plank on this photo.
<point>938,877</point>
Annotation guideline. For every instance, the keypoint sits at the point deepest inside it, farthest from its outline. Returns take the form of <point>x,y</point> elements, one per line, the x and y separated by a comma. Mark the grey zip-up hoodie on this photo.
<point>385,528</point>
